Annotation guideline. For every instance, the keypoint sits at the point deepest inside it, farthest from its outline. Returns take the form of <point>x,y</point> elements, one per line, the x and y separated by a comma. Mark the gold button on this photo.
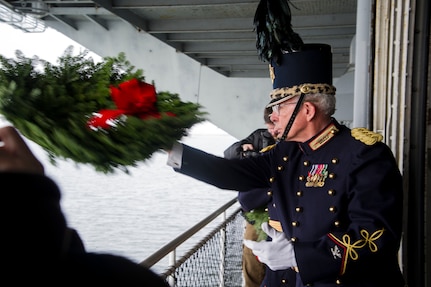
<point>299,193</point>
<point>273,205</point>
<point>293,239</point>
<point>285,158</point>
<point>266,209</point>
<point>295,223</point>
<point>280,168</point>
<point>301,178</point>
<point>332,175</point>
<point>306,163</point>
<point>283,281</point>
<point>298,209</point>
<point>331,192</point>
<point>332,209</point>
<point>269,193</point>
<point>337,223</point>
<point>338,282</point>
<point>335,160</point>
<point>272,179</point>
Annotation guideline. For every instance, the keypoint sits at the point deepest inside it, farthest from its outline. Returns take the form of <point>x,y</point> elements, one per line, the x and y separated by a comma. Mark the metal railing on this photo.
<point>214,261</point>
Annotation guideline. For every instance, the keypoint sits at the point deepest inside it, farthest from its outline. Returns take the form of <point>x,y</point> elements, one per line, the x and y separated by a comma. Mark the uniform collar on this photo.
<point>322,138</point>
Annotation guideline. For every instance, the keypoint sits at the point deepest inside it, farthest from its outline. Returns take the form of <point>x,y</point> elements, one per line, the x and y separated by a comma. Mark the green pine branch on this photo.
<point>50,105</point>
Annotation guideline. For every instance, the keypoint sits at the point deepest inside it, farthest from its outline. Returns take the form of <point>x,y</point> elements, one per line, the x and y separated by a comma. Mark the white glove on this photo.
<point>277,254</point>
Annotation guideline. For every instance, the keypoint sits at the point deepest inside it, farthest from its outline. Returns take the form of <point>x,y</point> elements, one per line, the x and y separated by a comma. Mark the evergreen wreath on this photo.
<point>102,114</point>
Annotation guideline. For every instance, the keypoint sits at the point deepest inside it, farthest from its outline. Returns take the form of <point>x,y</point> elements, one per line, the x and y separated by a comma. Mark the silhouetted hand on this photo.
<point>15,155</point>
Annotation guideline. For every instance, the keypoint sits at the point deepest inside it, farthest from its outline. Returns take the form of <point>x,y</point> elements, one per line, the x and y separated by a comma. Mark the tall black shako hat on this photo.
<point>295,68</point>
<point>306,71</point>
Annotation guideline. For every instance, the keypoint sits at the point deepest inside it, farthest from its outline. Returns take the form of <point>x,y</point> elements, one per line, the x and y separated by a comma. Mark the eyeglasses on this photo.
<point>276,108</point>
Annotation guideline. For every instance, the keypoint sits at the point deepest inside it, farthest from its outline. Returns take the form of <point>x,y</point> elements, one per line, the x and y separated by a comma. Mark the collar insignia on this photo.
<point>324,137</point>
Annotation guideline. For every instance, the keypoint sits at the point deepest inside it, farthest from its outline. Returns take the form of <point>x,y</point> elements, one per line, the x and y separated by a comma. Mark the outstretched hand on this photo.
<point>277,254</point>
<point>15,155</point>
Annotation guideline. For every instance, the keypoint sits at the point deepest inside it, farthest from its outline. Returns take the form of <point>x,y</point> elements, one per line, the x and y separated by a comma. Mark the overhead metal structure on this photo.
<point>217,33</point>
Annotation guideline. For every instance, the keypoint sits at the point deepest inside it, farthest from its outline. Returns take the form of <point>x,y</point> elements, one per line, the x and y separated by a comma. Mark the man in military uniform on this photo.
<point>337,192</point>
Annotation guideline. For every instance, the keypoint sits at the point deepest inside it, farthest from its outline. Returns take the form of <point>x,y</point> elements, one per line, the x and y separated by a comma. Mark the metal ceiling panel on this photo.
<point>216,33</point>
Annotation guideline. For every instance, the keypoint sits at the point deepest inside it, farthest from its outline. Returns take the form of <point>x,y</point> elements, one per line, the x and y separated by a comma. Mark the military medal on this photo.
<point>317,175</point>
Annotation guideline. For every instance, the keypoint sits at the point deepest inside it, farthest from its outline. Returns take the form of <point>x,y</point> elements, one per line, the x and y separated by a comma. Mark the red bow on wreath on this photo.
<point>132,97</point>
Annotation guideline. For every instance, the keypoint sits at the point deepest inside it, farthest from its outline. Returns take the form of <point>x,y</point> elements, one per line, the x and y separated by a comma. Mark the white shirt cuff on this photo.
<point>175,155</point>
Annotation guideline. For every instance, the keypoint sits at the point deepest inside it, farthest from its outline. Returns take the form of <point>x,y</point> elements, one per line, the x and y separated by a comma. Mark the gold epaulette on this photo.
<point>366,136</point>
<point>265,149</point>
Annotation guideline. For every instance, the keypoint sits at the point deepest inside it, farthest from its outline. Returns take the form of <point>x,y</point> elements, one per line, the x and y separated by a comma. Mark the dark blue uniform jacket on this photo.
<point>338,197</point>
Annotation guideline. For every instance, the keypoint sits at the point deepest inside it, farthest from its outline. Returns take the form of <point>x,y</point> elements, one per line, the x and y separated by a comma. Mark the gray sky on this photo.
<point>48,45</point>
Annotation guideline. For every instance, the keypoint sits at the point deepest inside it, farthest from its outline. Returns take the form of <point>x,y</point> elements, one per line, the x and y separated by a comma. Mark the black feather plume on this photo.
<point>272,23</point>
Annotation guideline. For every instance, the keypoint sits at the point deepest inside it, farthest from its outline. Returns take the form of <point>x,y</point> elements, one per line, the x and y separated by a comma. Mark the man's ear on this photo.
<point>309,110</point>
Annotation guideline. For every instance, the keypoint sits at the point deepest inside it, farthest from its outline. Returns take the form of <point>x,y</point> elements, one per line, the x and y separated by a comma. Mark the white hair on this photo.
<point>324,102</point>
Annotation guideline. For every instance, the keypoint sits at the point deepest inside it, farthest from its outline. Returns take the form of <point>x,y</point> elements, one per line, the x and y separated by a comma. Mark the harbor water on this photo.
<point>136,214</point>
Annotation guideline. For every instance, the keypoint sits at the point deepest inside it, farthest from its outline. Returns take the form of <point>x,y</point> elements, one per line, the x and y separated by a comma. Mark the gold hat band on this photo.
<point>283,94</point>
